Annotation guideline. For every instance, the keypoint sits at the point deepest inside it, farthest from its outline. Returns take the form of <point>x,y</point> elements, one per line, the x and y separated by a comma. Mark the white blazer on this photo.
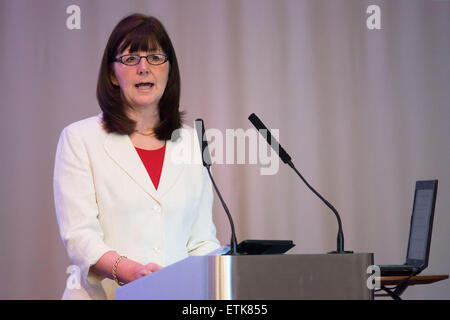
<point>105,200</point>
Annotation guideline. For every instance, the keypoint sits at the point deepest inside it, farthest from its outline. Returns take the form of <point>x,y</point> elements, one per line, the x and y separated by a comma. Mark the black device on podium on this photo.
<point>264,246</point>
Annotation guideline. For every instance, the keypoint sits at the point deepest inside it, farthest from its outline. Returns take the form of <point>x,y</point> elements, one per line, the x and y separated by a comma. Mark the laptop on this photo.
<point>419,233</point>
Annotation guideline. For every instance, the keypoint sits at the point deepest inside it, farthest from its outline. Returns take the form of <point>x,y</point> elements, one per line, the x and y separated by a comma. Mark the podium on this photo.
<point>256,277</point>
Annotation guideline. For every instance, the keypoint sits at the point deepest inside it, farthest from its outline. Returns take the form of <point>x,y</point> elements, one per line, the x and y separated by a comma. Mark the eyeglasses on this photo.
<point>134,59</point>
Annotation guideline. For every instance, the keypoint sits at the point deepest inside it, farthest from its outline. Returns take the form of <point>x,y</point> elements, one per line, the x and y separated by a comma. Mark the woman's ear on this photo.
<point>113,79</point>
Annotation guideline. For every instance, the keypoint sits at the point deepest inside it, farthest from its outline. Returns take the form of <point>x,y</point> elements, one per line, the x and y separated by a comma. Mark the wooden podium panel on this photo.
<point>422,279</point>
<point>403,282</point>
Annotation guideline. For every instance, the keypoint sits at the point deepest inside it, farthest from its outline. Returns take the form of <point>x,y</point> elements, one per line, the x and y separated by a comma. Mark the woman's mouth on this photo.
<point>144,85</point>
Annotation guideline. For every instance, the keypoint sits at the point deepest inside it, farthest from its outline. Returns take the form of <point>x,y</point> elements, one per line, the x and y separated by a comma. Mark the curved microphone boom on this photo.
<point>286,158</point>
<point>206,159</point>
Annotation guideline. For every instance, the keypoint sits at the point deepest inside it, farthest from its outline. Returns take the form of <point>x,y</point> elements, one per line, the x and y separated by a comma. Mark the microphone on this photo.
<point>286,158</point>
<point>206,159</point>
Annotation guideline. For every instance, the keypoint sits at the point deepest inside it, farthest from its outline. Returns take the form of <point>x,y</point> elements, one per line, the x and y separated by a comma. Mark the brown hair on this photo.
<point>141,33</point>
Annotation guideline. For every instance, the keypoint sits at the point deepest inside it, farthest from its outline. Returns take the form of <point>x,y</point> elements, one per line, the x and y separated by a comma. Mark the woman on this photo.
<point>125,208</point>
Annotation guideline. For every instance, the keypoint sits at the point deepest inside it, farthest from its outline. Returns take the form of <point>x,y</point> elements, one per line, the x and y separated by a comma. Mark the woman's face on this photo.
<point>142,85</point>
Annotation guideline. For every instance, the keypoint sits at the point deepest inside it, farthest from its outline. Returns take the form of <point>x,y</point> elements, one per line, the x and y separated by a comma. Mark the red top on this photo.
<point>153,161</point>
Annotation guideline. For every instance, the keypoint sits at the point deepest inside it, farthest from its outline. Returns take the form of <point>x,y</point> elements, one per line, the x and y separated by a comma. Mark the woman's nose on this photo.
<point>143,66</point>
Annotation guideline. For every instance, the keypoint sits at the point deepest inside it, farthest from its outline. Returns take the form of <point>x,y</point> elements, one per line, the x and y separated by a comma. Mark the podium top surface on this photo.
<point>261,277</point>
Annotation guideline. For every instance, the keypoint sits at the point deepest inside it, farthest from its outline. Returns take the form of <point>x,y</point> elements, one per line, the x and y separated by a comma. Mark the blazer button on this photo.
<point>157,209</point>
<point>157,249</point>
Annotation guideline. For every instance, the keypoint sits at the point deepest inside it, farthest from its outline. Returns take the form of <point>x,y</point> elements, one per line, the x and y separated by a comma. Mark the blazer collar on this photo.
<point>121,150</point>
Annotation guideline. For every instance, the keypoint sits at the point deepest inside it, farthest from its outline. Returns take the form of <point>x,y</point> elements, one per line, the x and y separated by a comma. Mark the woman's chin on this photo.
<point>144,103</point>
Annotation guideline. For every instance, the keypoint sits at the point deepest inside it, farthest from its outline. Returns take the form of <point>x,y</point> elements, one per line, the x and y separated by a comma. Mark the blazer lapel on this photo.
<point>121,150</point>
<point>172,168</point>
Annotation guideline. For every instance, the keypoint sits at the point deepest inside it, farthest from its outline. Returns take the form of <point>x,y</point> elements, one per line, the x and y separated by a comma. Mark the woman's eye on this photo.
<point>131,59</point>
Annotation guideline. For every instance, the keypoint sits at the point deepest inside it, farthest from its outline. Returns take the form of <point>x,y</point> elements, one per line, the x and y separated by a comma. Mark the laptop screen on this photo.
<point>421,223</point>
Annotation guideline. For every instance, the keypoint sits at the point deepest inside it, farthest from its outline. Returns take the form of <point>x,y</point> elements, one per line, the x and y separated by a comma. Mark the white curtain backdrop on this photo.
<point>363,113</point>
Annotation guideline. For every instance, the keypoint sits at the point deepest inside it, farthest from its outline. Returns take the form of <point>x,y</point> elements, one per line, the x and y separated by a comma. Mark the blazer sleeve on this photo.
<point>203,234</point>
<point>76,206</point>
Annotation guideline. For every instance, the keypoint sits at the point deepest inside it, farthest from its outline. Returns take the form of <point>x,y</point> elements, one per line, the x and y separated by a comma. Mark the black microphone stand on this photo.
<point>286,158</point>
<point>340,234</point>
<point>200,127</point>
<point>233,240</point>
